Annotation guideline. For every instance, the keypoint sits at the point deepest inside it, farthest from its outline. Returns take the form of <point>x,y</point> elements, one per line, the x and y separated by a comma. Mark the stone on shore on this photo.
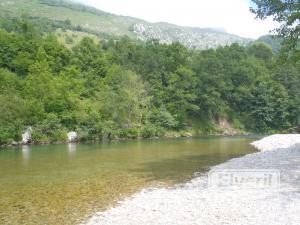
<point>26,136</point>
<point>72,136</point>
<point>195,203</point>
<point>277,141</point>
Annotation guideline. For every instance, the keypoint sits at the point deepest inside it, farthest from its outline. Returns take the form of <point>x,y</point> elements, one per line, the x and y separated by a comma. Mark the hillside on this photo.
<point>95,21</point>
<point>273,41</point>
<point>56,78</point>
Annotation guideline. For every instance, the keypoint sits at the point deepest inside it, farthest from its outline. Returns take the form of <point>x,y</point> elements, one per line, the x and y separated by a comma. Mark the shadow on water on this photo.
<point>179,170</point>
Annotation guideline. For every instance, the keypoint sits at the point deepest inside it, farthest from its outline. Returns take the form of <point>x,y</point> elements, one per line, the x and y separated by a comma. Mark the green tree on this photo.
<point>261,51</point>
<point>269,106</point>
<point>125,99</point>
<point>286,12</point>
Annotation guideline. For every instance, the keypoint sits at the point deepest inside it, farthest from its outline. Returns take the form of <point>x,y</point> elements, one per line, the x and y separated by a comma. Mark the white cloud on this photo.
<point>232,15</point>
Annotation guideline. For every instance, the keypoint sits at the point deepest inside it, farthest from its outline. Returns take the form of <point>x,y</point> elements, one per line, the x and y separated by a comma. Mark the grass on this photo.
<point>75,36</point>
<point>104,22</point>
<point>101,22</point>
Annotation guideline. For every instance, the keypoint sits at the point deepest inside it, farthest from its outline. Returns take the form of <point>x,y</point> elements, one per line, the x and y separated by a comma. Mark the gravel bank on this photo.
<point>277,141</point>
<point>195,203</point>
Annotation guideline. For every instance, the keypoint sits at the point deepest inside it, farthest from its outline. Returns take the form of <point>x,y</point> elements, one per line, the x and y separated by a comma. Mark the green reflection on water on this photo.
<point>61,184</point>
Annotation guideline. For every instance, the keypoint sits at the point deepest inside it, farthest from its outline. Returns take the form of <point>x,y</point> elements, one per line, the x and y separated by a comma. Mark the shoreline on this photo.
<point>84,179</point>
<point>177,135</point>
<point>277,141</point>
<point>200,204</point>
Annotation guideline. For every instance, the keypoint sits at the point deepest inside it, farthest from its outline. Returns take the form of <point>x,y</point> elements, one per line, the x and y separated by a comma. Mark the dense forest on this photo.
<point>120,88</point>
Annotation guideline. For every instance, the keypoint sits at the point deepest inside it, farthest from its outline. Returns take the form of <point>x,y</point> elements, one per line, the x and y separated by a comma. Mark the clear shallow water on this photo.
<point>61,184</point>
<point>196,202</point>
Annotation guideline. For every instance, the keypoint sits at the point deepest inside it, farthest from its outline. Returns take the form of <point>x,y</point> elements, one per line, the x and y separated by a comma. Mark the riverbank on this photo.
<point>167,135</point>
<point>196,203</point>
<point>70,182</point>
<point>277,141</point>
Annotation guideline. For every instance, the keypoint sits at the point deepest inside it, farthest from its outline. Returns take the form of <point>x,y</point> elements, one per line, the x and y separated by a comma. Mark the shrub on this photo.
<point>10,132</point>
<point>49,130</point>
<point>58,135</point>
<point>128,133</point>
<point>163,118</point>
<point>38,137</point>
<point>69,40</point>
<point>150,130</point>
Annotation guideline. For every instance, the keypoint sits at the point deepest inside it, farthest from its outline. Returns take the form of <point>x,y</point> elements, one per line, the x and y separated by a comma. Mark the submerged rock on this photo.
<point>72,136</point>
<point>26,136</point>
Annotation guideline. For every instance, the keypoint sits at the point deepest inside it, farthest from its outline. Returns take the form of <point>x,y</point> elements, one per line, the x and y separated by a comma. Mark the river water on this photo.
<point>197,202</point>
<point>65,184</point>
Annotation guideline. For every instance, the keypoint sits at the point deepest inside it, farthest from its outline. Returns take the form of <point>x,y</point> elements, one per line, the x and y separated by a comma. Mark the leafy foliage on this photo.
<point>48,15</point>
<point>287,13</point>
<point>283,11</point>
<point>124,89</point>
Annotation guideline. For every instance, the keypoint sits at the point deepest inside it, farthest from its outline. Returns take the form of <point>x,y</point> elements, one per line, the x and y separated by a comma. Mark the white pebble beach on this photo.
<point>194,203</point>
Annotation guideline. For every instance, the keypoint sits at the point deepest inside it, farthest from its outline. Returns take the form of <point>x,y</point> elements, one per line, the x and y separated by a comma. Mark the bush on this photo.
<point>49,130</point>
<point>58,135</point>
<point>69,40</point>
<point>82,135</point>
<point>150,130</point>
<point>92,127</point>
<point>38,137</point>
<point>128,133</point>
<point>160,131</point>
<point>10,132</point>
<point>5,136</point>
<point>163,118</point>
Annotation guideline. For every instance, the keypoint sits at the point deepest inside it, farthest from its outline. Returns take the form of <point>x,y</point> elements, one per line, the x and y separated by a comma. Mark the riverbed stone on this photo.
<point>26,136</point>
<point>72,136</point>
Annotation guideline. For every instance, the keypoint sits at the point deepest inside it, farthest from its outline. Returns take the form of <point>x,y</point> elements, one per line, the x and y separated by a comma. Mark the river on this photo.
<point>261,188</point>
<point>64,184</point>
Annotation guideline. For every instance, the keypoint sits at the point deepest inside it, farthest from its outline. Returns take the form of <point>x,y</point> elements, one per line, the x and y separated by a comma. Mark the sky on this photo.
<point>232,15</point>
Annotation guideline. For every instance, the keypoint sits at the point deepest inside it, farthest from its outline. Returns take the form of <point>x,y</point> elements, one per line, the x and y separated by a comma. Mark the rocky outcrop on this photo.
<point>26,136</point>
<point>72,136</point>
<point>194,38</point>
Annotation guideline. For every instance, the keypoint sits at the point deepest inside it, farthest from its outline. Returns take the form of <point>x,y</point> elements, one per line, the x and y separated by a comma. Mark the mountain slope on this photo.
<point>98,21</point>
<point>199,38</point>
<point>273,41</point>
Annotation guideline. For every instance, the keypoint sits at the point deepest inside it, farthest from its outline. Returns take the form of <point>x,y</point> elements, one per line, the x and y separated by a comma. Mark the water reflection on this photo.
<point>72,148</point>
<point>25,152</point>
<point>68,181</point>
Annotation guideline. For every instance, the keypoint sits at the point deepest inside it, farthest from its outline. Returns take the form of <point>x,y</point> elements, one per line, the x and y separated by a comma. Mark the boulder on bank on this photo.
<point>72,136</point>
<point>26,136</point>
<point>277,141</point>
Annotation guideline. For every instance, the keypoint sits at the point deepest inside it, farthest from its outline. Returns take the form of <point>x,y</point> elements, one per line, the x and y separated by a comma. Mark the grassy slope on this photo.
<point>107,23</point>
<point>274,42</point>
<point>76,37</point>
<point>116,25</point>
